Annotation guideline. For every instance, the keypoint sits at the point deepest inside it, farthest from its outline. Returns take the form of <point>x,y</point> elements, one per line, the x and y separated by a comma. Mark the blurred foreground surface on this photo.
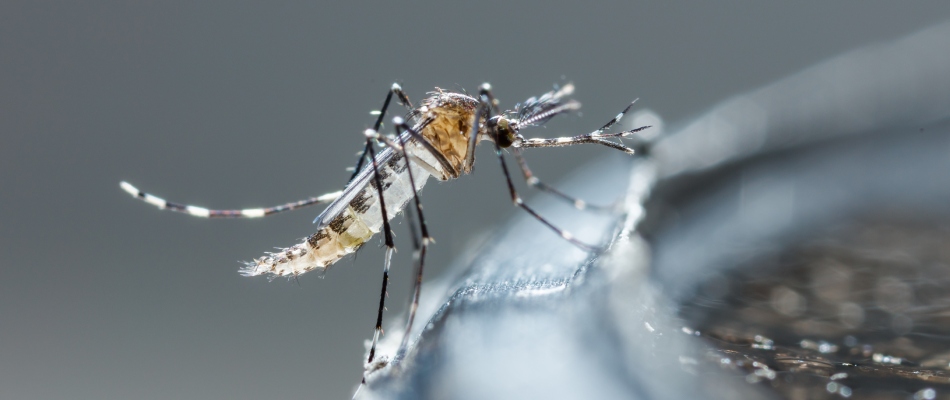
<point>790,243</point>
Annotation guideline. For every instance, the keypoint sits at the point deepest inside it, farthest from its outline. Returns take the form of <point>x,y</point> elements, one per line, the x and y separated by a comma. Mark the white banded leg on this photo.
<point>372,136</point>
<point>515,198</point>
<point>595,137</point>
<point>536,183</point>
<point>484,93</point>
<point>209,213</point>
<point>421,241</point>
<point>404,100</point>
<point>390,248</point>
<point>420,244</point>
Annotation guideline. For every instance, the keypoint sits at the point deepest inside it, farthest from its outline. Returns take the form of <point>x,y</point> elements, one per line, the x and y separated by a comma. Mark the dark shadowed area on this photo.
<point>225,104</point>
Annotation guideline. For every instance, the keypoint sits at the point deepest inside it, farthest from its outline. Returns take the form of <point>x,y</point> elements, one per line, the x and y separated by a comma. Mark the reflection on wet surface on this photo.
<point>857,312</point>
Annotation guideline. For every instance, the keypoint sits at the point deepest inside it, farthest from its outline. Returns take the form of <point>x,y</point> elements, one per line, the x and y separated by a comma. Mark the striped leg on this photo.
<point>420,244</point>
<point>262,212</point>
<point>421,241</point>
<point>368,150</point>
<point>207,213</point>
<point>486,97</point>
<point>404,100</point>
<point>515,198</point>
<point>390,248</point>
<point>595,137</point>
<point>534,182</point>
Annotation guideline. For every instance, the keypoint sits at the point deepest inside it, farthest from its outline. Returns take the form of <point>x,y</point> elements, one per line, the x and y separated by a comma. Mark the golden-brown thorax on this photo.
<point>452,117</point>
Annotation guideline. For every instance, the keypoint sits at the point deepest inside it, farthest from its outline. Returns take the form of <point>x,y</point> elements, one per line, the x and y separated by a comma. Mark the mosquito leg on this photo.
<point>419,246</point>
<point>421,243</point>
<point>600,139</point>
<point>516,199</point>
<point>533,181</point>
<point>261,212</point>
<point>487,103</point>
<point>207,213</point>
<point>359,163</point>
<point>404,100</point>
<point>387,229</point>
<point>390,247</point>
<point>595,137</point>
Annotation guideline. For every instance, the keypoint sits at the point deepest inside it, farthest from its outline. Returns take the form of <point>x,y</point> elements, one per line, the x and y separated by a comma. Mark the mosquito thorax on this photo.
<point>501,131</point>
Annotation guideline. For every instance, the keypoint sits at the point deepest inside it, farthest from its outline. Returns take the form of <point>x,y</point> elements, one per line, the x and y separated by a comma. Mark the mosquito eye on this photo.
<point>504,136</point>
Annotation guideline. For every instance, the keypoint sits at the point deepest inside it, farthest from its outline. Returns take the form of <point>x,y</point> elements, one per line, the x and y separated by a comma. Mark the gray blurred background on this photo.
<point>233,105</point>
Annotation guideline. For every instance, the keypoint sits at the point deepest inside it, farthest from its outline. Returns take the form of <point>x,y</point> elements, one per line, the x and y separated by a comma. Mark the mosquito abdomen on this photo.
<point>349,223</point>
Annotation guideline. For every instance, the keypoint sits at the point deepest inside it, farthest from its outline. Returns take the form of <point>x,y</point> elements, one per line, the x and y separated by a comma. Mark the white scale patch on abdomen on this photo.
<point>344,233</point>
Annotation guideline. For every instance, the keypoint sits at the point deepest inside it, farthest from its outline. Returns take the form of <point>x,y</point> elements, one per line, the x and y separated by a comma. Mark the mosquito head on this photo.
<point>502,131</point>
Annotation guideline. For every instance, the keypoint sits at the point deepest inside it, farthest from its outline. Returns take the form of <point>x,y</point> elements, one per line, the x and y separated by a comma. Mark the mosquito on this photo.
<point>436,139</point>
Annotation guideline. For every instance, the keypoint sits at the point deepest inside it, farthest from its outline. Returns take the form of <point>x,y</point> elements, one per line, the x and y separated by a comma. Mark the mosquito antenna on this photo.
<point>538,110</point>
